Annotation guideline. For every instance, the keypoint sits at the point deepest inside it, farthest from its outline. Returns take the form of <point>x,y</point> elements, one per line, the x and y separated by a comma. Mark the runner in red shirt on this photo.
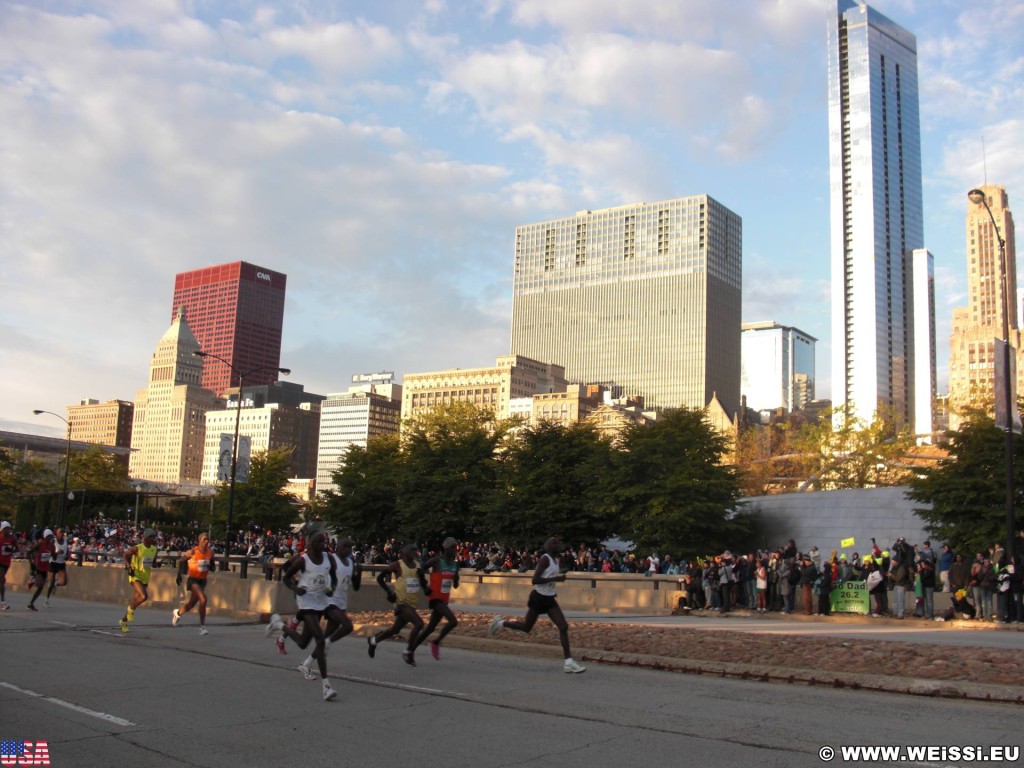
<point>42,553</point>
<point>444,577</point>
<point>7,547</point>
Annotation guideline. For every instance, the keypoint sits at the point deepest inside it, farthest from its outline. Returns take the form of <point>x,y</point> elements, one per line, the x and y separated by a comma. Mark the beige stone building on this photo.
<point>169,427</point>
<point>108,423</point>
<point>511,377</point>
<point>976,326</point>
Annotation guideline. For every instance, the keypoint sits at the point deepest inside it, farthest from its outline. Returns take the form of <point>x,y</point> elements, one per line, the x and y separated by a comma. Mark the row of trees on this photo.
<point>459,471</point>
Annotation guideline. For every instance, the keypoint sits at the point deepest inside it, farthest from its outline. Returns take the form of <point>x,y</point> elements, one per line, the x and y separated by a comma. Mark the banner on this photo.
<point>244,459</point>
<point>850,597</point>
<point>851,542</point>
<point>1000,379</point>
<point>224,459</point>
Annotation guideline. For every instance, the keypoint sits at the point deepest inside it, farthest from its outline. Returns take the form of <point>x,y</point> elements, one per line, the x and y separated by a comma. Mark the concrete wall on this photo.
<point>824,518</point>
<point>255,596</point>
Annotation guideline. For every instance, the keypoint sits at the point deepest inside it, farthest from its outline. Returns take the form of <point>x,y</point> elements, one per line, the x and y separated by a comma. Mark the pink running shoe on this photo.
<point>279,642</point>
<point>435,651</point>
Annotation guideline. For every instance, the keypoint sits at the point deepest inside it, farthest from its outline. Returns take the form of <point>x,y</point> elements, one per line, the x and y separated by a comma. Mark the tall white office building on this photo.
<point>777,366</point>
<point>372,406</point>
<point>876,216</point>
<point>643,298</point>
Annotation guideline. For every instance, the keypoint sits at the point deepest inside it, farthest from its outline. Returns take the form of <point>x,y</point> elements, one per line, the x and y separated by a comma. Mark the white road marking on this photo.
<point>77,708</point>
<point>64,623</point>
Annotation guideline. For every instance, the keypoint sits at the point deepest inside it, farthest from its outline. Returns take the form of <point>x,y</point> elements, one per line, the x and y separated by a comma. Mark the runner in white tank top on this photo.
<point>349,573</point>
<point>542,600</point>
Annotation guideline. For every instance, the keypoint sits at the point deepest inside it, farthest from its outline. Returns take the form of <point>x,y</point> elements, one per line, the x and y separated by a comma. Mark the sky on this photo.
<point>381,154</point>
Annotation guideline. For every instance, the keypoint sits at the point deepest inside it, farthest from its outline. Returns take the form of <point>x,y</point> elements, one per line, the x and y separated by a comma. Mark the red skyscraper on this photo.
<point>236,311</point>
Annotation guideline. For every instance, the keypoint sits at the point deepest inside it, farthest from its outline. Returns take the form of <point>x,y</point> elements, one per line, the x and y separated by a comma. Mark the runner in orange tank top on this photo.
<point>200,560</point>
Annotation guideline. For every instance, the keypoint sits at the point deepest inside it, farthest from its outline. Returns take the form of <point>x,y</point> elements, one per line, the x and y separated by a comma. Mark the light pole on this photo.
<point>234,446</point>
<point>977,197</point>
<point>138,490</point>
<point>67,466</point>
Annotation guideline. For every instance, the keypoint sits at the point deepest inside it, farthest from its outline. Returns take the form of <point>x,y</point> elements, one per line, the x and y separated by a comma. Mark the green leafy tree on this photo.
<point>97,470</point>
<point>262,501</point>
<point>448,471</point>
<point>967,494</point>
<point>553,479</point>
<point>365,504</point>
<point>18,477</point>
<point>675,493</point>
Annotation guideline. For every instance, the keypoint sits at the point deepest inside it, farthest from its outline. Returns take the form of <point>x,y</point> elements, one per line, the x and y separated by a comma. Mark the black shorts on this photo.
<point>304,612</point>
<point>201,583</point>
<point>58,567</point>
<point>539,603</point>
<point>436,603</point>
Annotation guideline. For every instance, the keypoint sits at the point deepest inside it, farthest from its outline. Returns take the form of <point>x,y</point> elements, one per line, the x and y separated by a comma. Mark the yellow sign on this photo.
<point>848,543</point>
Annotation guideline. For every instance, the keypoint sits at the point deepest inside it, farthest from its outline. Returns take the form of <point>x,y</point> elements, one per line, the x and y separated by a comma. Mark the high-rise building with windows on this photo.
<point>169,426</point>
<point>642,298</point>
<point>777,366</point>
<point>372,406</point>
<point>236,312</point>
<point>980,323</point>
<point>876,216</point>
<point>108,423</point>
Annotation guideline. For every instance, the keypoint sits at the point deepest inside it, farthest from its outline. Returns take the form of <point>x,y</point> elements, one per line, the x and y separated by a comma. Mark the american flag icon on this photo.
<point>12,748</point>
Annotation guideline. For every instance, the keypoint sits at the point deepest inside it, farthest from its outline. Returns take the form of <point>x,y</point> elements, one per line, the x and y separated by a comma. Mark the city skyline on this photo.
<point>382,160</point>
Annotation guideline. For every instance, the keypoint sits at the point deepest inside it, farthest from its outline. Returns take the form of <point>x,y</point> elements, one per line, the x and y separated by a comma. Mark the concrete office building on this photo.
<point>169,427</point>
<point>777,366</point>
<point>108,423</point>
<point>273,416</point>
<point>236,311</point>
<point>493,387</point>
<point>976,326</point>
<point>642,298</point>
<point>876,215</point>
<point>372,406</point>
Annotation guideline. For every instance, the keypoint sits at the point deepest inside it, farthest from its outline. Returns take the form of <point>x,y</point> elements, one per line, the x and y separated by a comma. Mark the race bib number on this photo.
<point>147,562</point>
<point>318,583</point>
<point>345,581</point>
<point>202,565</point>
<point>44,557</point>
<point>6,550</point>
<point>446,586</point>
<point>412,584</point>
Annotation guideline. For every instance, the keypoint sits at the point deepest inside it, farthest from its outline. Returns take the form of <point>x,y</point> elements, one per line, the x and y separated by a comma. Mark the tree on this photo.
<point>553,479</point>
<point>448,471</point>
<point>365,504</point>
<point>967,494</point>
<point>674,492</point>
<point>18,477</point>
<point>262,501</point>
<point>96,469</point>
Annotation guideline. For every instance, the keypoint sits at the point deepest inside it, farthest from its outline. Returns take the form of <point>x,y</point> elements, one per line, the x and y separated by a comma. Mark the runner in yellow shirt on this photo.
<point>139,561</point>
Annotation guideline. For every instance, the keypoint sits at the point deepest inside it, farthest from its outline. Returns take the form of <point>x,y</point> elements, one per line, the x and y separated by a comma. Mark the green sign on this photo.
<point>850,597</point>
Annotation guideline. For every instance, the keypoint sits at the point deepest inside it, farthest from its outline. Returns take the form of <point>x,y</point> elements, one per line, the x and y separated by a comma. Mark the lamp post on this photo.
<point>234,446</point>
<point>138,490</point>
<point>67,466</point>
<point>977,197</point>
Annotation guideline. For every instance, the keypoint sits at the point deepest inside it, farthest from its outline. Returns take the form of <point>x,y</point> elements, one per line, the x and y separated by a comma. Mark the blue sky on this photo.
<point>381,155</point>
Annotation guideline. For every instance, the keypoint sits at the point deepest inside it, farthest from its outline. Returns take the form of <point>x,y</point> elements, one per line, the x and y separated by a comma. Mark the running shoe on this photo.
<point>124,626</point>
<point>32,607</point>
<point>293,624</point>
<point>203,631</point>
<point>4,607</point>
<point>279,642</point>
<point>175,617</point>
<point>46,603</point>
<point>496,624</point>
<point>131,614</point>
<point>572,668</point>
<point>275,625</point>
<point>306,671</point>
<point>371,647</point>
<point>329,693</point>
<point>409,658</point>
<point>435,651</point>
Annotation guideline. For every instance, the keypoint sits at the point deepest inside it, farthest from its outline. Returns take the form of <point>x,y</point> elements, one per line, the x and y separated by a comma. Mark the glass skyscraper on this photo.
<point>876,215</point>
<point>644,298</point>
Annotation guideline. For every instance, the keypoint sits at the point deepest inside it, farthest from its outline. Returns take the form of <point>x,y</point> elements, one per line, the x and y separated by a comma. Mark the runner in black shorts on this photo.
<point>542,600</point>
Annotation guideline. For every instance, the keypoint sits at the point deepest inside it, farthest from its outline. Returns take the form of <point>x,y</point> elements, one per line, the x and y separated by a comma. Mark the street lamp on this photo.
<point>138,490</point>
<point>67,466</point>
<point>234,447</point>
<point>977,197</point>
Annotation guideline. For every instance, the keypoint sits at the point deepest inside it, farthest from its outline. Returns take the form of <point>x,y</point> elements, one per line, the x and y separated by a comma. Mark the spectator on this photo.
<point>808,575</point>
<point>946,560</point>
<point>959,574</point>
<point>927,570</point>
<point>788,578</point>
<point>899,575</point>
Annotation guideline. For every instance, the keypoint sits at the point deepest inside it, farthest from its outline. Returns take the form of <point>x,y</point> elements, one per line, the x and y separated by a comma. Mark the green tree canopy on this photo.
<point>554,479</point>
<point>967,494</point>
<point>674,491</point>
<point>95,469</point>
<point>365,504</point>
<point>262,501</point>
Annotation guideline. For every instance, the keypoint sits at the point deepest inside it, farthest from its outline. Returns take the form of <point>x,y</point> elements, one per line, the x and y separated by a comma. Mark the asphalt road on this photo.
<point>163,696</point>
